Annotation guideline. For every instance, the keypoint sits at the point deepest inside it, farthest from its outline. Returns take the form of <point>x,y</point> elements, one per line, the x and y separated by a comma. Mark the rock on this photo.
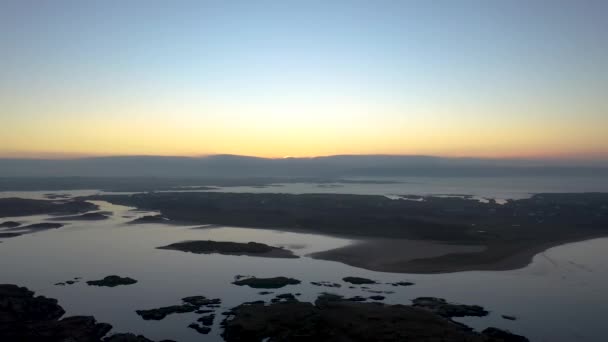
<point>189,304</point>
<point>358,280</point>
<point>26,318</point>
<point>325,284</point>
<point>160,313</point>
<point>266,283</point>
<point>263,293</point>
<point>356,299</point>
<point>283,297</point>
<point>327,297</point>
<point>112,281</point>
<point>511,318</point>
<point>199,301</point>
<point>231,248</point>
<point>126,338</point>
<point>206,320</point>
<point>377,297</point>
<point>402,283</point>
<point>445,309</point>
<point>203,311</point>
<point>18,304</point>
<point>379,292</point>
<point>254,302</point>
<point>496,334</point>
<point>333,319</point>
<point>199,328</point>
<point>9,224</point>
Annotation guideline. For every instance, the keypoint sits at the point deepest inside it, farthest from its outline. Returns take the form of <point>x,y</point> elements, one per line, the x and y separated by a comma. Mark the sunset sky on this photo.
<point>304,78</point>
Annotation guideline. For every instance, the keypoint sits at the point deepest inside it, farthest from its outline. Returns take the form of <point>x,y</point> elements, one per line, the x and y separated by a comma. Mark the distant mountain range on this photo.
<point>331,166</point>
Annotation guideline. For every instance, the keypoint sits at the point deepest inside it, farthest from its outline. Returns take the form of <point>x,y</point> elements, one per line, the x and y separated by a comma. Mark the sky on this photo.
<point>304,78</point>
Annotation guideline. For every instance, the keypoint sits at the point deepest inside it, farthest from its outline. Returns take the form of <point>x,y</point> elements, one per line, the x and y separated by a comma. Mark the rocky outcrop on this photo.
<point>442,308</point>
<point>266,283</point>
<point>334,319</point>
<point>189,304</point>
<point>231,248</point>
<point>358,280</point>
<point>26,318</point>
<point>112,281</point>
<point>496,334</point>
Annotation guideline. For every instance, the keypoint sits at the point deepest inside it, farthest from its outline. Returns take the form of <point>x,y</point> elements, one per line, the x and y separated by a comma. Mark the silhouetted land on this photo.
<point>509,234</point>
<point>26,318</point>
<point>231,248</point>
<point>139,184</point>
<point>25,207</point>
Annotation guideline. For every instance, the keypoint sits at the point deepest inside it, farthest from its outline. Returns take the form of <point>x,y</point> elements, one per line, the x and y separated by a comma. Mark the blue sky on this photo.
<point>265,75</point>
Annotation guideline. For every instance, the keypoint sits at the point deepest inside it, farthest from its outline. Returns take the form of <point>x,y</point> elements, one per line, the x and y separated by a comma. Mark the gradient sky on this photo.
<point>303,78</point>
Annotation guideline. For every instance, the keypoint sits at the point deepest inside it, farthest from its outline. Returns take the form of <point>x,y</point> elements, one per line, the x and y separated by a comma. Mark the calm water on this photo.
<point>559,297</point>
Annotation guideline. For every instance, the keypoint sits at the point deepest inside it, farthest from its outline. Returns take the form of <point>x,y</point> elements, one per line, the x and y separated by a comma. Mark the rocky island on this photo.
<point>331,318</point>
<point>265,283</point>
<point>112,281</point>
<point>230,248</point>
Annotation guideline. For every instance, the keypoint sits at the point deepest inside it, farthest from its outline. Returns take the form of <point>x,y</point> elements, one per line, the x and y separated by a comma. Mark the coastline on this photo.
<point>432,257</point>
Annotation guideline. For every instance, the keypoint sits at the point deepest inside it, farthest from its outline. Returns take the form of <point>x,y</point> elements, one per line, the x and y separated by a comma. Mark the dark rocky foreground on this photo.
<point>331,318</point>
<point>442,308</point>
<point>26,318</point>
<point>231,248</point>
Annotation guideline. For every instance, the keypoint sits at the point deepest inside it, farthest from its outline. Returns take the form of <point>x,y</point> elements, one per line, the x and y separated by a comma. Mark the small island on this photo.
<point>331,315</point>
<point>112,281</point>
<point>265,283</point>
<point>231,248</point>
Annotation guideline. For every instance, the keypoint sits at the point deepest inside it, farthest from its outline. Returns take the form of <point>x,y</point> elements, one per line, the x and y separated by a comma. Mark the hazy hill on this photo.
<point>331,166</point>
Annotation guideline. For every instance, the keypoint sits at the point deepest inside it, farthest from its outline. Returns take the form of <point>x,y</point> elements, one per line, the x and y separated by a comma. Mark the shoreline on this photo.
<point>398,256</point>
